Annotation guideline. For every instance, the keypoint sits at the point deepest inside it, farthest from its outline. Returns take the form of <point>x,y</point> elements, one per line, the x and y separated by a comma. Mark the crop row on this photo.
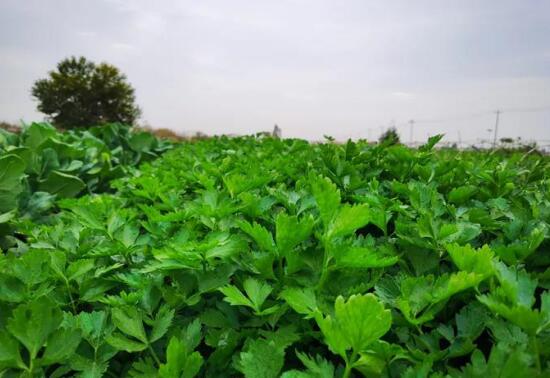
<point>266,258</point>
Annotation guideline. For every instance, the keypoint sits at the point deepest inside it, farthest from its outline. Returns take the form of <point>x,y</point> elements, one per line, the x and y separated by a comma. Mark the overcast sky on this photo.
<point>346,68</point>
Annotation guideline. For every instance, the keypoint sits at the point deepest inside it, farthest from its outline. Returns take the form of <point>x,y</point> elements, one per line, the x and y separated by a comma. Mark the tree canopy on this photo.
<point>80,93</point>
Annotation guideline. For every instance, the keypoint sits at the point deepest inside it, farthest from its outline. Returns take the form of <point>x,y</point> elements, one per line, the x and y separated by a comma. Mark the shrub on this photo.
<point>390,136</point>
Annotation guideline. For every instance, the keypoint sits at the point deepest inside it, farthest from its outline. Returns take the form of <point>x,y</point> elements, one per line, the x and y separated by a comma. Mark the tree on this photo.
<point>390,136</point>
<point>82,94</point>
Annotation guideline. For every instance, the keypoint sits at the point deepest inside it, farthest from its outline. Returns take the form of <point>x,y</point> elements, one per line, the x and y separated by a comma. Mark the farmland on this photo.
<point>123,255</point>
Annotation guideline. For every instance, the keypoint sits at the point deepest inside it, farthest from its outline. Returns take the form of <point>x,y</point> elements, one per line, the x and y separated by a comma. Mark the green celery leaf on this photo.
<point>517,285</point>
<point>302,300</point>
<point>468,259</point>
<point>121,342</point>
<point>10,355</point>
<point>192,335</point>
<point>362,257</point>
<point>316,367</point>
<point>94,326</point>
<point>260,359</point>
<point>235,297</point>
<point>260,234</point>
<point>257,291</point>
<point>256,294</point>
<point>161,323</point>
<point>79,268</point>
<point>461,194</point>
<point>327,197</point>
<point>348,219</point>
<point>179,361</point>
<point>504,361</point>
<point>61,346</point>
<point>291,231</point>
<point>143,368</point>
<point>356,323</point>
<point>32,323</point>
<point>129,320</point>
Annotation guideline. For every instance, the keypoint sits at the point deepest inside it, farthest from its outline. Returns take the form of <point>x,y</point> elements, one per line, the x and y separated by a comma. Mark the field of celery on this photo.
<point>261,258</point>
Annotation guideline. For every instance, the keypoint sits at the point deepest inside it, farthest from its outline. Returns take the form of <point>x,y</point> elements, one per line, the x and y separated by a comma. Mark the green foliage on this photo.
<point>80,93</point>
<point>12,169</point>
<point>357,323</point>
<point>390,136</point>
<point>41,164</point>
<point>268,257</point>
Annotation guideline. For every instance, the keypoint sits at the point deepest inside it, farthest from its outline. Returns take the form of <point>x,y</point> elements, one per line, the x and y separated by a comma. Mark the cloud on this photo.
<point>125,47</point>
<point>86,34</point>
<point>313,66</point>
<point>144,17</point>
<point>402,95</point>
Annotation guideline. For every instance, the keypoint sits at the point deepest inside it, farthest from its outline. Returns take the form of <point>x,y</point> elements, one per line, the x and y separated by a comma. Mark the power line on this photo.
<point>527,110</point>
<point>461,117</point>
<point>454,118</point>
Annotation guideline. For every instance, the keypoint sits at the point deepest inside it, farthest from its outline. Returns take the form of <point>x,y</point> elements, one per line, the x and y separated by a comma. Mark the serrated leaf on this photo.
<point>226,247</point>
<point>256,294</point>
<point>143,368</point>
<point>10,355</point>
<point>357,323</point>
<point>121,342</point>
<point>235,297</point>
<point>180,361</point>
<point>79,268</point>
<point>458,232</point>
<point>468,259</point>
<point>517,285</point>
<point>129,321</point>
<point>88,368</point>
<point>283,337</point>
<point>291,231</point>
<point>362,257</point>
<point>317,367</point>
<point>461,194</point>
<point>261,359</point>
<point>260,234</point>
<point>522,316</point>
<point>33,323</point>
<point>302,300</point>
<point>94,326</point>
<point>161,323</point>
<point>257,291</point>
<point>192,335</point>
<point>129,235</point>
<point>471,321</point>
<point>348,219</point>
<point>504,361</point>
<point>61,346</point>
<point>327,197</point>
<point>423,297</point>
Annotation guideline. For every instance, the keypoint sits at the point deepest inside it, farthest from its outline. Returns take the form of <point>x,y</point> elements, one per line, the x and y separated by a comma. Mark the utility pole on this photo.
<point>496,129</point>
<point>411,123</point>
